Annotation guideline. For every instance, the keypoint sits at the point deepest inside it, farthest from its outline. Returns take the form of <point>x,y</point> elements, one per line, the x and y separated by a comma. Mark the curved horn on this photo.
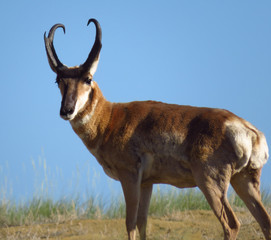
<point>95,51</point>
<point>91,61</point>
<point>54,62</point>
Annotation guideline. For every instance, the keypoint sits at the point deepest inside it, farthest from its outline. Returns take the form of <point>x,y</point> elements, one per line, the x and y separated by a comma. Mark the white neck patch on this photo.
<point>87,117</point>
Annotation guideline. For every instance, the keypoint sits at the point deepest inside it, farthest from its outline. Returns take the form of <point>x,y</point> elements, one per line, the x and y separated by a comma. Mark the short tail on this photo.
<point>259,154</point>
<point>249,144</point>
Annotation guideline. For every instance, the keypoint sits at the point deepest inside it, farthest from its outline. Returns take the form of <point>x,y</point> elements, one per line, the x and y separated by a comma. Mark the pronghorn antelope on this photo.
<point>143,143</point>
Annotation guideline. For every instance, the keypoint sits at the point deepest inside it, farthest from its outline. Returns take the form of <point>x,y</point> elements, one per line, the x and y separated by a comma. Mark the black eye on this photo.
<point>87,81</point>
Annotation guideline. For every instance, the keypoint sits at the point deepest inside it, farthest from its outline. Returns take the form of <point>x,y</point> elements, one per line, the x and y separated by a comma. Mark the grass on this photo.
<point>163,203</point>
<point>172,200</point>
<point>43,208</point>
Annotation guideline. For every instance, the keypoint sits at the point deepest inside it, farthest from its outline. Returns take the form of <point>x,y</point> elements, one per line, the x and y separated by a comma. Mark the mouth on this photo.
<point>66,117</point>
<point>67,113</point>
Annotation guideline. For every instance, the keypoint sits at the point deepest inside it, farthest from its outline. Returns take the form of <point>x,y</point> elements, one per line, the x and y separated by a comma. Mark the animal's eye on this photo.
<point>87,81</point>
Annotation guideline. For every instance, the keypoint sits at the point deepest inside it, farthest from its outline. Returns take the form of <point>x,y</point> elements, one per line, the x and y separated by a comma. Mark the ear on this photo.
<point>94,66</point>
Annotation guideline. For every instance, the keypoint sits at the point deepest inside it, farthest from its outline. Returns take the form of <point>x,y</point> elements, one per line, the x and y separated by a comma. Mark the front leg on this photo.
<point>131,188</point>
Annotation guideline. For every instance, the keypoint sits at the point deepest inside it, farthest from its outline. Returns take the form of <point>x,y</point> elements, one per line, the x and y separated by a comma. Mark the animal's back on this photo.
<point>193,132</point>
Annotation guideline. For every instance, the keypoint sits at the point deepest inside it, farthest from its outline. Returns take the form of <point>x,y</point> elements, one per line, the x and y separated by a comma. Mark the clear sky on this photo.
<point>201,53</point>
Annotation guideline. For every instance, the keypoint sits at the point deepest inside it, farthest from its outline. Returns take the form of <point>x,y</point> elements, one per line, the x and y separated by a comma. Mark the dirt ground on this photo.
<point>188,225</point>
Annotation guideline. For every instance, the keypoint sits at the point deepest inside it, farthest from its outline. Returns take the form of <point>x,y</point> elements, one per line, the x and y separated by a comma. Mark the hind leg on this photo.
<point>247,186</point>
<point>145,197</point>
<point>215,190</point>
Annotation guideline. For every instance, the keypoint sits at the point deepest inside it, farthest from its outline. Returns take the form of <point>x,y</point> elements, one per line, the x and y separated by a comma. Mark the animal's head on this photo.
<point>75,83</point>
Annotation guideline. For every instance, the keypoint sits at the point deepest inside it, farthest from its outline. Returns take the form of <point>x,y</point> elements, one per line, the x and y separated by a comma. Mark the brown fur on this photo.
<point>143,143</point>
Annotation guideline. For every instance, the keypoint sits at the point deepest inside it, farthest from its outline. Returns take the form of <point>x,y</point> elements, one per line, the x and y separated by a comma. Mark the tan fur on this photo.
<point>143,143</point>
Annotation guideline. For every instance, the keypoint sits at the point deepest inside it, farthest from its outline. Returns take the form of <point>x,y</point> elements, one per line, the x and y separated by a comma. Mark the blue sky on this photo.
<point>201,53</point>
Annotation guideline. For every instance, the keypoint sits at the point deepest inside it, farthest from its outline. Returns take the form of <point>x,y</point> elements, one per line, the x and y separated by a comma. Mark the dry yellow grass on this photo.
<point>186,225</point>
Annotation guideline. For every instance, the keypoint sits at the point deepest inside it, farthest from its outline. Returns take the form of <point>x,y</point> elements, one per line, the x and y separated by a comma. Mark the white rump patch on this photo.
<point>259,152</point>
<point>249,144</point>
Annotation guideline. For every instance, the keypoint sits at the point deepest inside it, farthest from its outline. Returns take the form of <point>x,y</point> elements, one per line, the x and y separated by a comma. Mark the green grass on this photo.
<point>45,208</point>
<point>172,200</point>
<point>163,203</point>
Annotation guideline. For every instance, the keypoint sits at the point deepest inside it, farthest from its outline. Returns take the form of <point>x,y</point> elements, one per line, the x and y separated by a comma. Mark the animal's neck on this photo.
<point>90,124</point>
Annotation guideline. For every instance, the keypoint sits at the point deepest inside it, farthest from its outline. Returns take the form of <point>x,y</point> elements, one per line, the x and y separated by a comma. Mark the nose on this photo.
<point>68,103</point>
<point>66,111</point>
<point>67,107</point>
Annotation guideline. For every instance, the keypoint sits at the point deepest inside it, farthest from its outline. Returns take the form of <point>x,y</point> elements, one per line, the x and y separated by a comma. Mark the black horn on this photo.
<point>54,62</point>
<point>60,68</point>
<point>95,51</point>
